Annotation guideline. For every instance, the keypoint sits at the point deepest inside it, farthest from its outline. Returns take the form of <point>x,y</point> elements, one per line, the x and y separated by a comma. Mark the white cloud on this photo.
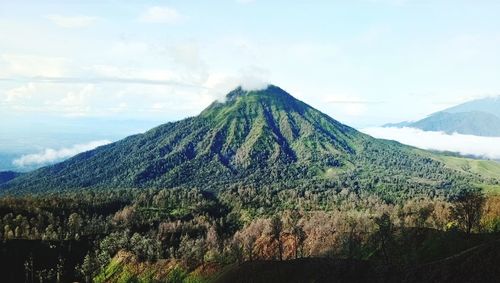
<point>348,105</point>
<point>218,85</point>
<point>161,14</point>
<point>50,155</point>
<point>157,106</point>
<point>72,21</point>
<point>20,93</point>
<point>254,78</point>
<point>76,103</point>
<point>117,72</point>
<point>463,144</point>
<point>31,65</point>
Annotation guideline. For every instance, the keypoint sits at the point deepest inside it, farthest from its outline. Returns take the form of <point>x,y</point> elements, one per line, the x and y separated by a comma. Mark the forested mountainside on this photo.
<point>6,176</point>
<point>253,138</point>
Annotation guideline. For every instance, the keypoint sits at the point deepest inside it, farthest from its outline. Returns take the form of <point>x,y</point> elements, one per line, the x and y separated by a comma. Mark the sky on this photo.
<point>363,62</point>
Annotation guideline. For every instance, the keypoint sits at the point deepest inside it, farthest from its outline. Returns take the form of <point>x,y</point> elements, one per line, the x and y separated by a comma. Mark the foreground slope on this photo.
<point>254,138</point>
<point>477,264</point>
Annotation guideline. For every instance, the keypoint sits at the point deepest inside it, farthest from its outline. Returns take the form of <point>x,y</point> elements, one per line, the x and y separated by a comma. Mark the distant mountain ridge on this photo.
<point>488,105</point>
<point>478,117</point>
<point>255,138</point>
<point>6,176</point>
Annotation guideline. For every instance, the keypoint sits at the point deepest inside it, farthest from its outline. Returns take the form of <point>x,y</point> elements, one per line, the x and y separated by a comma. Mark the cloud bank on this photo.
<point>50,155</point>
<point>486,147</point>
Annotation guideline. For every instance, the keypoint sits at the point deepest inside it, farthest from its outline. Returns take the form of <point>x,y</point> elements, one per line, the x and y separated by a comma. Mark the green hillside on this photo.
<point>254,138</point>
<point>485,168</point>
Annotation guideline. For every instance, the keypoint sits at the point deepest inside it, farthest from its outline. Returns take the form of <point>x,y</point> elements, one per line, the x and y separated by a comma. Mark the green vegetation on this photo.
<point>132,236</point>
<point>490,189</point>
<point>262,138</point>
<point>484,168</point>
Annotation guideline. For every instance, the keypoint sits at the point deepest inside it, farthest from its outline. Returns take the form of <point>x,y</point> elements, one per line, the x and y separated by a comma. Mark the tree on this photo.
<point>236,249</point>
<point>352,238</point>
<point>467,208</point>
<point>212,241</point>
<point>144,247</point>
<point>248,236</point>
<point>75,223</point>
<point>89,267</point>
<point>274,232</point>
<point>384,234</point>
<point>29,270</point>
<point>59,269</point>
<point>292,224</point>
<point>127,216</point>
<point>8,234</point>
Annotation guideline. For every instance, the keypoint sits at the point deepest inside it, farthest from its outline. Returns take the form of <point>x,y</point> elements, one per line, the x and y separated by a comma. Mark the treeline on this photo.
<point>195,227</point>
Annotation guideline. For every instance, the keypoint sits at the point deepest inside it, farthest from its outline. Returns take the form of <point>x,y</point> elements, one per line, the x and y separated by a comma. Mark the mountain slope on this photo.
<point>478,117</point>
<point>254,138</point>
<point>489,105</point>
<point>468,123</point>
<point>6,176</point>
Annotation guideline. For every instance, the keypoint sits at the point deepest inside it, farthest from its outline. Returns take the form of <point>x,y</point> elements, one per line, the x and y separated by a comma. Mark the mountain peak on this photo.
<point>269,97</point>
<point>253,133</point>
<point>255,138</point>
<point>269,90</point>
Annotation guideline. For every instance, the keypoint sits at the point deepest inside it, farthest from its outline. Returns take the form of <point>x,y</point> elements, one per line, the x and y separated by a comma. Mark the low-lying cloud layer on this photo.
<point>50,155</point>
<point>487,147</point>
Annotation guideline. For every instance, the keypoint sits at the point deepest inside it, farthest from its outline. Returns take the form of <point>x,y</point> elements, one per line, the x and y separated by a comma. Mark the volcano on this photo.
<point>254,138</point>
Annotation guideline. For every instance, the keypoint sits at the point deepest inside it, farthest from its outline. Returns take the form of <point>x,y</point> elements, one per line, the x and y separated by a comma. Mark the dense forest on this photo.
<point>189,235</point>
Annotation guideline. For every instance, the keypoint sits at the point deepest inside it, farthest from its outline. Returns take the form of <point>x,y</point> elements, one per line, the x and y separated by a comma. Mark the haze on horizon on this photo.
<point>363,62</point>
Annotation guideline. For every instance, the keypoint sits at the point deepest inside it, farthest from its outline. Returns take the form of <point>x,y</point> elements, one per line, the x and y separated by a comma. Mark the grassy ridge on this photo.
<point>484,168</point>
